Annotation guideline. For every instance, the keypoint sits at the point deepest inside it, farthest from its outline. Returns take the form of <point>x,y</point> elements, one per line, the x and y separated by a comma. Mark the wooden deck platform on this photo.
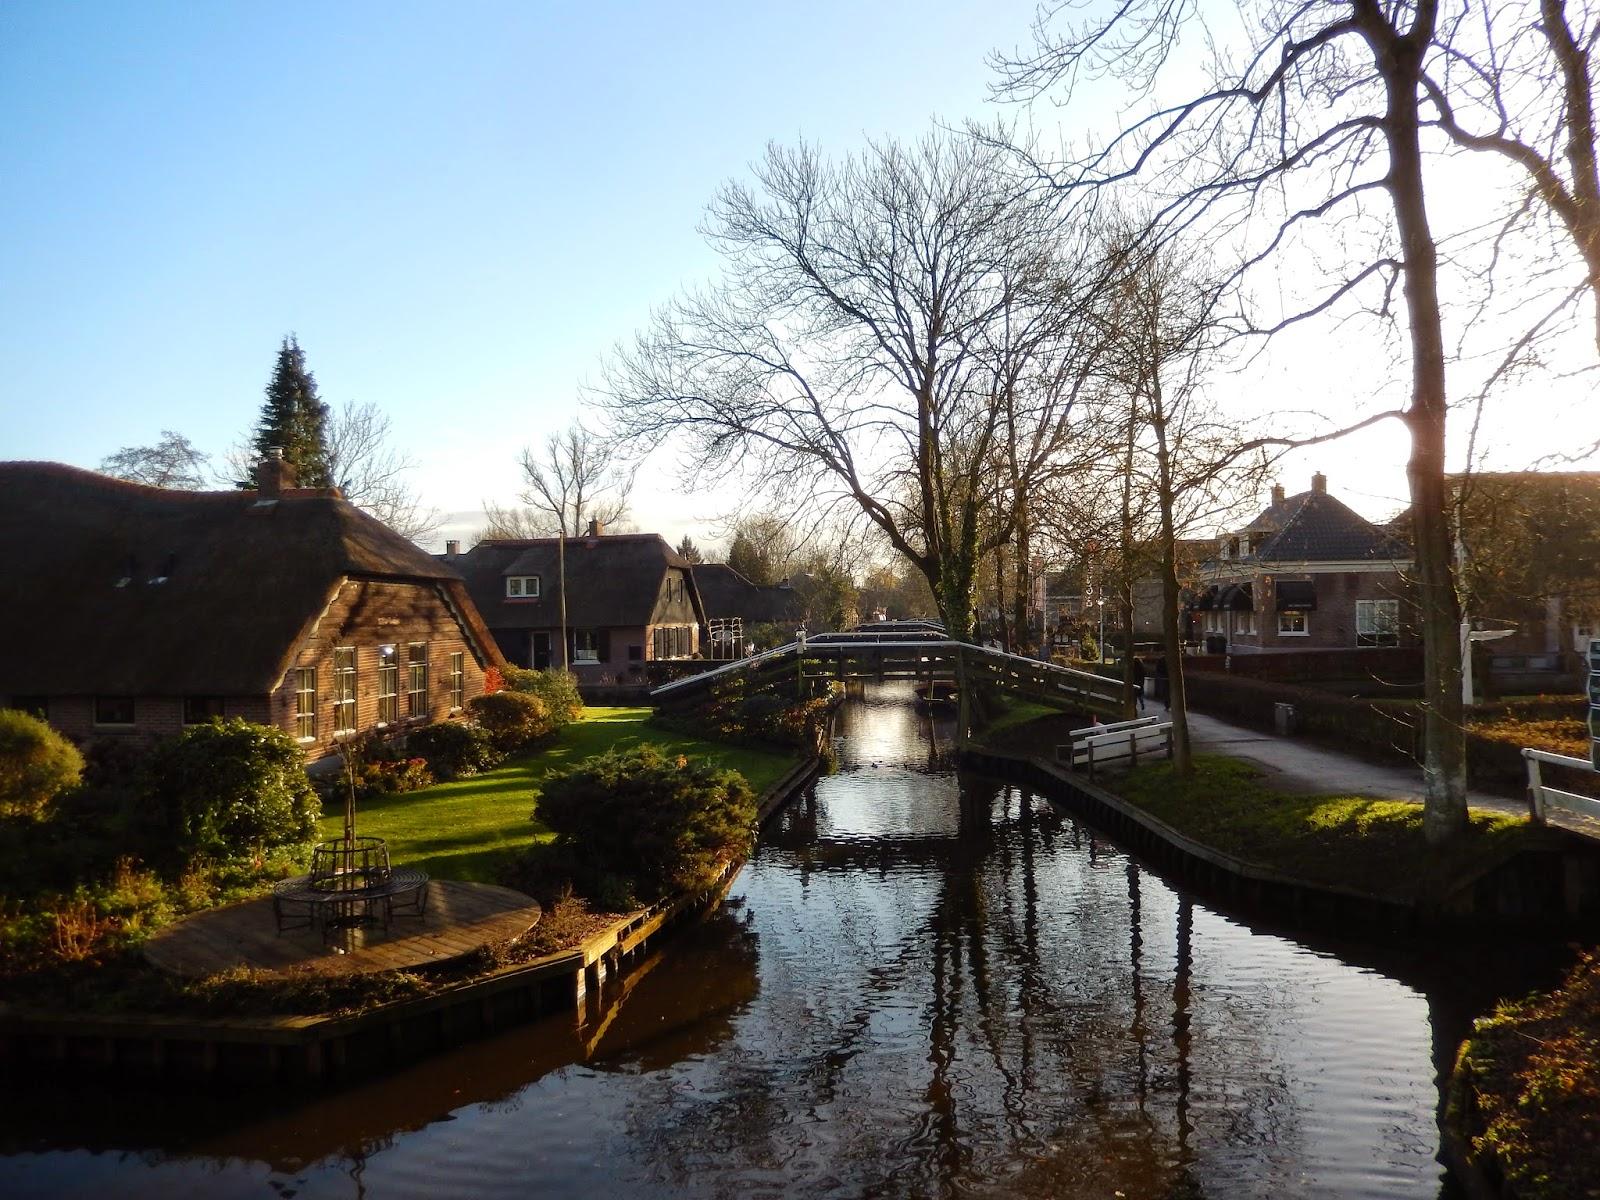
<point>460,918</point>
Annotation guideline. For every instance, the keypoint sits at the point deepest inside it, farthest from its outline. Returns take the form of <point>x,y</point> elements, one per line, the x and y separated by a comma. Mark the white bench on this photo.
<point>1096,745</point>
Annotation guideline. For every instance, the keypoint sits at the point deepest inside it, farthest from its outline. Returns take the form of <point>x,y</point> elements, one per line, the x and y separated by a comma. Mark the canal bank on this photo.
<point>1555,889</point>
<point>313,1049</point>
<point>925,981</point>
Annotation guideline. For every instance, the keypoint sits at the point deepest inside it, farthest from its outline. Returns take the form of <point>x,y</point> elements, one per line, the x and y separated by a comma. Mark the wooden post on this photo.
<point>963,698</point>
<point>1535,789</point>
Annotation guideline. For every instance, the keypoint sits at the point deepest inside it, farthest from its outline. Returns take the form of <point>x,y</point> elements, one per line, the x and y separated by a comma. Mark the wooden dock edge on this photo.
<point>313,1049</point>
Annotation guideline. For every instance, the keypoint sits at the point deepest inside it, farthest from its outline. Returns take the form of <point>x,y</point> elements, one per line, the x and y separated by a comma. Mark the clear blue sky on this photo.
<point>457,208</point>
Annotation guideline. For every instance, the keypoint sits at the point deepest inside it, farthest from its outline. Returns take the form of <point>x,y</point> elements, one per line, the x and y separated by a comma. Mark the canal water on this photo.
<point>924,983</point>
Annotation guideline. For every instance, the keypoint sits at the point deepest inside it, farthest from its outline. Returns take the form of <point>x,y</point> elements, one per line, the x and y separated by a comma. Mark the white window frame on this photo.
<point>305,703</point>
<point>417,680</point>
<point>1290,615</point>
<point>1374,632</point>
<point>522,587</point>
<point>345,719</point>
<point>388,685</point>
<point>458,679</point>
<point>582,653</point>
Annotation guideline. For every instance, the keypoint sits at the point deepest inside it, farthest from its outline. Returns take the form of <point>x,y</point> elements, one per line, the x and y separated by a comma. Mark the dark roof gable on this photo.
<point>118,588</point>
<point>611,580</point>
<point>1315,527</point>
<point>727,593</point>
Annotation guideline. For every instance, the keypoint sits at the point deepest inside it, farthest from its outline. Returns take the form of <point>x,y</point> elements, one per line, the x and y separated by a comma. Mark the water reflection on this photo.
<point>924,984</point>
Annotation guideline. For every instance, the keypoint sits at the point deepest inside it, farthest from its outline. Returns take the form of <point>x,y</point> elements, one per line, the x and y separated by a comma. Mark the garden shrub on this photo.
<point>455,749</point>
<point>230,789</point>
<point>764,718</point>
<point>558,689</point>
<point>514,720</point>
<point>37,764</point>
<point>652,823</point>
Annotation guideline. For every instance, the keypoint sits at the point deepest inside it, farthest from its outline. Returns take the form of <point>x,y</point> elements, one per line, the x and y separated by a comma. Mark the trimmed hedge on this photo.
<point>513,720</point>
<point>455,749</point>
<point>37,764</point>
<point>653,823</point>
<point>558,690</point>
<point>229,790</point>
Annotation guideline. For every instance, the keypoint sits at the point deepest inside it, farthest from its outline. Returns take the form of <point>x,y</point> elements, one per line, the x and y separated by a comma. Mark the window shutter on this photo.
<point>602,644</point>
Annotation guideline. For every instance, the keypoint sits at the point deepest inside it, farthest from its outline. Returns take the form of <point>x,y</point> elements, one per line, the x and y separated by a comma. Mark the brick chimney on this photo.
<point>452,547</point>
<point>1319,482</point>
<point>596,527</point>
<point>1277,493</point>
<point>274,476</point>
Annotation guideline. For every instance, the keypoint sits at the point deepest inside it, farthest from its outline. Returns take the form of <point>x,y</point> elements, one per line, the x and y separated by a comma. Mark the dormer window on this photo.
<point>522,587</point>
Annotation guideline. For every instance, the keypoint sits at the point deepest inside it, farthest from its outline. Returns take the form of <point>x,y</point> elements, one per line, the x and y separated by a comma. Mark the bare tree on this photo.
<point>1513,78</point>
<point>574,481</point>
<point>875,318</point>
<point>372,474</point>
<point>1323,114</point>
<point>510,523</point>
<point>172,462</point>
<point>363,464</point>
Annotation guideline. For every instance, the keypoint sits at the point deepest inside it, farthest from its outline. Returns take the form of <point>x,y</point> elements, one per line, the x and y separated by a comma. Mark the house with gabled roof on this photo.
<point>1308,573</point>
<point>630,599</point>
<point>146,610</point>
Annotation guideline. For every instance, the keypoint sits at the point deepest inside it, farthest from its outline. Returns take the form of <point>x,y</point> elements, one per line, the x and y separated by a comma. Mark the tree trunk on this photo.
<point>1177,696</point>
<point>1022,584</point>
<point>1444,762</point>
<point>1000,596</point>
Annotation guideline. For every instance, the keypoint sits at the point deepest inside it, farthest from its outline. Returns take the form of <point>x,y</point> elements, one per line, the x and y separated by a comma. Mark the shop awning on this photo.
<point>1237,597</point>
<point>1296,595</point>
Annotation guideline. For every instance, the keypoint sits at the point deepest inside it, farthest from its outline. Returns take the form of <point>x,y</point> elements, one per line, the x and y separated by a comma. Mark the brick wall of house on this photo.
<point>1331,626</point>
<point>154,717</point>
<point>364,616</point>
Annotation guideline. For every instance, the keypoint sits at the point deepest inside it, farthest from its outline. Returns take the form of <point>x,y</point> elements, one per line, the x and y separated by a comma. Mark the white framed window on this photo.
<point>417,679</point>
<point>1377,622</point>
<point>522,587</point>
<point>585,646</point>
<point>1293,624</point>
<point>305,703</point>
<point>458,678</point>
<point>388,685</point>
<point>344,689</point>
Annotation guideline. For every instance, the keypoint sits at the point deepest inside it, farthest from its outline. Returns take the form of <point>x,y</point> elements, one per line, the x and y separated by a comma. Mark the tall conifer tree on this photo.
<point>294,419</point>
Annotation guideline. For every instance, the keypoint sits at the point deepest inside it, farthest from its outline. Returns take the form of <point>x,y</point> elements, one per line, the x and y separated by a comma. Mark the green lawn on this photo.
<point>461,830</point>
<point>1375,846</point>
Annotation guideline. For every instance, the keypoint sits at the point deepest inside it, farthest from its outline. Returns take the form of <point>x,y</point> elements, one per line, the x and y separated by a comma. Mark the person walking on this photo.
<point>1138,680</point>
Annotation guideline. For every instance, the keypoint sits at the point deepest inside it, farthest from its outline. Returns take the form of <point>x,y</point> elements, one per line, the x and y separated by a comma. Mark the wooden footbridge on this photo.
<point>925,655</point>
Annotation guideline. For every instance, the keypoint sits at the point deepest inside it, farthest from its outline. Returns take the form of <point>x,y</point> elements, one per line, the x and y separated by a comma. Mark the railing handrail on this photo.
<point>1556,760</point>
<point>1120,737</point>
<point>1089,731</point>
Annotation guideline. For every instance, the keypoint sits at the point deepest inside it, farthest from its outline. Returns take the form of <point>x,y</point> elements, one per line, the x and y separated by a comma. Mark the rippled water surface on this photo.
<point>923,984</point>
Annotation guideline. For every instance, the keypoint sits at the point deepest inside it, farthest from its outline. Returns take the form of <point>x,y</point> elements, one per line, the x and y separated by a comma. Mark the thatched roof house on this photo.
<point>145,608</point>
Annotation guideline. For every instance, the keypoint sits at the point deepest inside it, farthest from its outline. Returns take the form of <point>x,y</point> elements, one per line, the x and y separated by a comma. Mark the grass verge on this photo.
<point>1374,846</point>
<point>1526,1090</point>
<point>468,828</point>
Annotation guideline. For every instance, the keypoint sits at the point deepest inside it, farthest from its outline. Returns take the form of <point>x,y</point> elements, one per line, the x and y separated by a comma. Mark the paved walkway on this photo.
<point>1293,765</point>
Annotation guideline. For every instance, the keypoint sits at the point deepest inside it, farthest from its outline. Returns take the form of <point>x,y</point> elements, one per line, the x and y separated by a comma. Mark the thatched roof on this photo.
<point>116,588</point>
<point>726,593</point>
<point>612,580</point>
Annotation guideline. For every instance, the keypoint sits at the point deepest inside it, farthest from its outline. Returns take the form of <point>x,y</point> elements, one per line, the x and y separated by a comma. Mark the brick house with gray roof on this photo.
<point>1309,573</point>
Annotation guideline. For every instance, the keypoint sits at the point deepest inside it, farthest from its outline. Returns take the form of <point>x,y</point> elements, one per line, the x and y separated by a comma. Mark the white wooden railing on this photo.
<point>1542,797</point>
<point>1098,744</point>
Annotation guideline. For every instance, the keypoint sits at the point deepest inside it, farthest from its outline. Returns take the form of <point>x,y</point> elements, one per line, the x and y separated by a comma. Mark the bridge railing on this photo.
<point>1028,676</point>
<point>1542,797</point>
